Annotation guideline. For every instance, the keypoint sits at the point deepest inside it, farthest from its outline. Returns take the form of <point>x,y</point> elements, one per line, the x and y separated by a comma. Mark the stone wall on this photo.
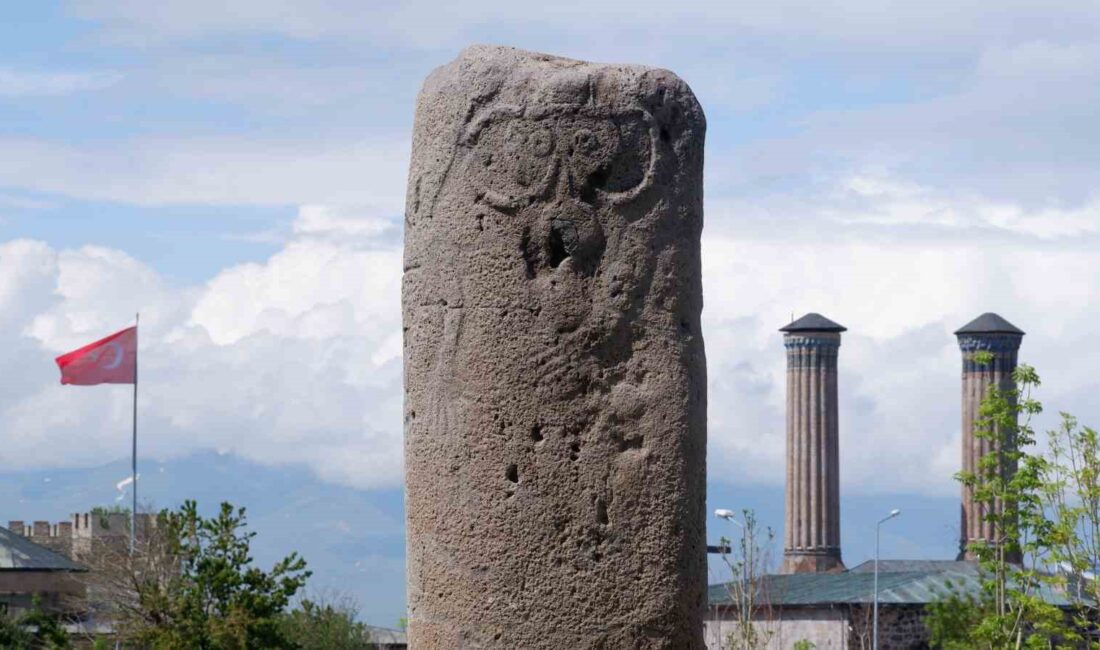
<point>825,627</point>
<point>899,628</point>
<point>58,590</point>
<point>75,538</point>
<point>828,627</point>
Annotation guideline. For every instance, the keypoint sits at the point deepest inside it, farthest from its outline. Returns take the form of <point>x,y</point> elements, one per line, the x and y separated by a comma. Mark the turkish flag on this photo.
<point>112,360</point>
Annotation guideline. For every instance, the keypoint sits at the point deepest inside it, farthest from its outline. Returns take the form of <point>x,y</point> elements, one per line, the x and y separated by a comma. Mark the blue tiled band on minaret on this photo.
<point>990,342</point>
<point>810,352</point>
<point>1002,347</point>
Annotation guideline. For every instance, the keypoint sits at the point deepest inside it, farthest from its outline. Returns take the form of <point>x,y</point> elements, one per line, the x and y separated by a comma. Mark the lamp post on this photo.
<point>893,513</point>
<point>728,515</point>
<point>723,548</point>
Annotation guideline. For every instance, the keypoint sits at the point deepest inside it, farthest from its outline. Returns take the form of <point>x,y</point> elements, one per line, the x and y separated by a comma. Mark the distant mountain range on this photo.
<point>353,540</point>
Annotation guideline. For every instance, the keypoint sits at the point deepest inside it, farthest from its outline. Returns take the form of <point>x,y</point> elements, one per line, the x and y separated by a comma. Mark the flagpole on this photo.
<point>133,456</point>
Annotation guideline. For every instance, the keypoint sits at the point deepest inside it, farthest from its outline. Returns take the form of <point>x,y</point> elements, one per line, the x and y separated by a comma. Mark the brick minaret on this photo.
<point>989,333</point>
<point>811,541</point>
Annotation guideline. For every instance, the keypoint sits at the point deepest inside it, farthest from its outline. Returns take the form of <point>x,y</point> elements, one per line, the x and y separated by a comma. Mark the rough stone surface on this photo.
<point>555,380</point>
<point>811,533</point>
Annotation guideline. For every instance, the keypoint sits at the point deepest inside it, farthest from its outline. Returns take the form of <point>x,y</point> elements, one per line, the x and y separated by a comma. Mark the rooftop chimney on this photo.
<point>811,541</point>
<point>986,333</point>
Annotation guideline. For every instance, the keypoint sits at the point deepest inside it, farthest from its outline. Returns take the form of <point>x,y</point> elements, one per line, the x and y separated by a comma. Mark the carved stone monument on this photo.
<point>555,381</point>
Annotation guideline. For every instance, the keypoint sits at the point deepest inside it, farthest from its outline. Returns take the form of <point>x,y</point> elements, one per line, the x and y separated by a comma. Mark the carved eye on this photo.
<point>528,146</point>
<point>585,141</point>
<point>515,156</point>
<point>627,168</point>
<point>593,146</point>
<point>540,141</point>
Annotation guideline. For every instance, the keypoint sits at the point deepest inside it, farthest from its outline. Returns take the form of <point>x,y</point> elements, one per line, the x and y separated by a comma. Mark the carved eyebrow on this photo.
<point>483,118</point>
<point>650,172</point>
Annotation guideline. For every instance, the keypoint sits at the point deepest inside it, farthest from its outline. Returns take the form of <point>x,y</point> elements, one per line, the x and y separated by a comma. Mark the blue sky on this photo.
<point>236,173</point>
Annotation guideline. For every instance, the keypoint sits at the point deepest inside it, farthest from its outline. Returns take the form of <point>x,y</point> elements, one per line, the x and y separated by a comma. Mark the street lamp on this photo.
<point>724,548</point>
<point>893,513</point>
<point>747,558</point>
<point>722,513</point>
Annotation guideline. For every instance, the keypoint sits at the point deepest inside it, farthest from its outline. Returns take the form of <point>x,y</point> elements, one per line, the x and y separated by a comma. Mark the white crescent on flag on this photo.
<point>117,361</point>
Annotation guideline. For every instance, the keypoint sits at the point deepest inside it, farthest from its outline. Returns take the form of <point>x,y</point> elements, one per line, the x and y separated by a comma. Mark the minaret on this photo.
<point>811,538</point>
<point>986,333</point>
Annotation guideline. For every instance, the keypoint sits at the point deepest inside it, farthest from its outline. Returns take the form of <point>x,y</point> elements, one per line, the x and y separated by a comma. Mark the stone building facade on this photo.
<point>29,570</point>
<point>834,610</point>
<point>76,538</point>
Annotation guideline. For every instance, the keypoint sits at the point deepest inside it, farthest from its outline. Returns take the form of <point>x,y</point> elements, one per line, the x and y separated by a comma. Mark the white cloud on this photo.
<point>425,22</point>
<point>1003,131</point>
<point>215,170</point>
<point>879,199</point>
<point>963,181</point>
<point>327,221</point>
<point>901,298</point>
<point>296,360</point>
<point>25,83</point>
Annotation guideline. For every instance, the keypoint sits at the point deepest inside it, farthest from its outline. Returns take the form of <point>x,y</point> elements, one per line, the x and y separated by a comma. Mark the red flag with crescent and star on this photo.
<point>112,360</point>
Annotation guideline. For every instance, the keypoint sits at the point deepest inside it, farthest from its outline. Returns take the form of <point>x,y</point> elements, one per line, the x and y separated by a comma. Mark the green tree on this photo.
<point>33,630</point>
<point>320,625</point>
<point>1009,608</point>
<point>1072,497</point>
<point>747,591</point>
<point>192,585</point>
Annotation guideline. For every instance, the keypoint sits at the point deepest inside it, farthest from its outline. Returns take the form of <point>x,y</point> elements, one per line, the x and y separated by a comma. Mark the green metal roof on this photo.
<point>928,566</point>
<point>17,553</point>
<point>901,582</point>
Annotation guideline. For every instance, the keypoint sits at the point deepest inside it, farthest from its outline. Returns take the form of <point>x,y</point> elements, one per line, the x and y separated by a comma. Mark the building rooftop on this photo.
<point>813,322</point>
<point>901,582</point>
<point>386,635</point>
<point>17,553</point>
<point>989,323</point>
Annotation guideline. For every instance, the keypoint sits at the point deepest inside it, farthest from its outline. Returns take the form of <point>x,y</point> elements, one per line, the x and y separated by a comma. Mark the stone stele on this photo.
<point>555,380</point>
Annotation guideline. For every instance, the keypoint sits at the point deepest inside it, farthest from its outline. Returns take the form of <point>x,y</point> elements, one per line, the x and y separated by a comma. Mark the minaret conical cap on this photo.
<point>813,322</point>
<point>989,323</point>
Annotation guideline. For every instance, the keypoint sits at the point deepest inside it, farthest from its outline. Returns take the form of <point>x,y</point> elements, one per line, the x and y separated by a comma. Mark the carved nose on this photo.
<point>575,234</point>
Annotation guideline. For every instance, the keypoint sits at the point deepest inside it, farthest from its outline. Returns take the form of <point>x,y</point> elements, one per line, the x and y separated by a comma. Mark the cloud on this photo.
<point>231,170</point>
<point>872,200</point>
<point>25,83</point>
<point>425,22</point>
<point>898,181</point>
<point>1015,127</point>
<point>295,360</point>
<point>901,296</point>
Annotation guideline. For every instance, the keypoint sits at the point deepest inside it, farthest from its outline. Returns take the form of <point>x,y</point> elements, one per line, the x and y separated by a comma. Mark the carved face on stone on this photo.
<point>562,165</point>
<point>590,154</point>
